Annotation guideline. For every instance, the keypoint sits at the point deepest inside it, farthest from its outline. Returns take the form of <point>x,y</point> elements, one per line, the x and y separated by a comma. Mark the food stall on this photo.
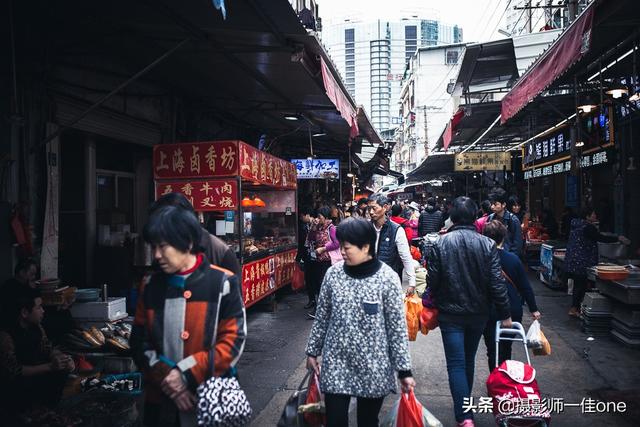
<point>245,197</point>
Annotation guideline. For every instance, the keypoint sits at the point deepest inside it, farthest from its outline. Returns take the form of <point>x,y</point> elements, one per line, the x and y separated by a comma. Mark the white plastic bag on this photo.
<point>534,340</point>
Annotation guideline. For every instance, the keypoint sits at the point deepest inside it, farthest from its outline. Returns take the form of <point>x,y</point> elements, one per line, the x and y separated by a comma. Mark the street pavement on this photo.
<point>273,364</point>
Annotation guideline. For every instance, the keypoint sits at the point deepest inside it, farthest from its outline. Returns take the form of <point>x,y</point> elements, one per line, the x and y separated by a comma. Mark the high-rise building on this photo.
<point>372,56</point>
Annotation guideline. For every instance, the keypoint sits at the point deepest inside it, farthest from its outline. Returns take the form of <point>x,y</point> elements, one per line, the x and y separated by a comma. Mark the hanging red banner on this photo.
<point>262,277</point>
<point>204,195</point>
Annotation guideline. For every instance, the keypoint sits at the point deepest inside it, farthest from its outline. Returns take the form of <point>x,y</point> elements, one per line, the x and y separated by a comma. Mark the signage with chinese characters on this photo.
<point>262,277</point>
<point>554,147</point>
<point>483,161</point>
<point>592,159</point>
<point>221,159</point>
<point>205,195</point>
<point>264,168</point>
<point>317,168</point>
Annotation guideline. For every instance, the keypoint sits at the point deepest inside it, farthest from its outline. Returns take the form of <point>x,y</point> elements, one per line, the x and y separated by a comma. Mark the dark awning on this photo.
<point>487,67</point>
<point>433,167</point>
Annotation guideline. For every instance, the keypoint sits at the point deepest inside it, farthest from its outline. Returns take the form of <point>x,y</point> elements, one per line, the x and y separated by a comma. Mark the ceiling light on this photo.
<point>291,118</point>
<point>319,134</point>
<point>580,144</point>
<point>586,104</point>
<point>350,175</point>
<point>617,90</point>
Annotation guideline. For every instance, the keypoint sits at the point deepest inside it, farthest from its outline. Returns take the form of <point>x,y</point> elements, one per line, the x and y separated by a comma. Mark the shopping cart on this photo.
<point>515,385</point>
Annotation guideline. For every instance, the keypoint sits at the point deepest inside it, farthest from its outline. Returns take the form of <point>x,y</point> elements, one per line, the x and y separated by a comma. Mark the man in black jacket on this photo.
<point>431,220</point>
<point>465,278</point>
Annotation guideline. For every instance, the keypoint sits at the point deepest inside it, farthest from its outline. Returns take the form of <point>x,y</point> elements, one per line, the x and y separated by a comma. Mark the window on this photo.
<point>452,56</point>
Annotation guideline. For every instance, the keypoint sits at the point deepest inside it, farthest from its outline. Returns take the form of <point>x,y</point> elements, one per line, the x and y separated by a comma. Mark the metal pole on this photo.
<point>108,96</point>
<point>426,134</point>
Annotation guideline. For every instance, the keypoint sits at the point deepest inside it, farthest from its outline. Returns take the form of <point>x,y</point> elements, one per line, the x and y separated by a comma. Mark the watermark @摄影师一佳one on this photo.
<point>512,406</point>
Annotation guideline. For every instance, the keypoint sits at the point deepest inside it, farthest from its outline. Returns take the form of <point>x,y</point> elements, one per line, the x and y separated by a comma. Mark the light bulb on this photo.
<point>617,93</point>
<point>580,144</point>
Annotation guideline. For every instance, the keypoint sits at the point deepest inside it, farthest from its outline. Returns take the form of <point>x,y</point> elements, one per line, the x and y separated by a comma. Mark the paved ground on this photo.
<point>273,365</point>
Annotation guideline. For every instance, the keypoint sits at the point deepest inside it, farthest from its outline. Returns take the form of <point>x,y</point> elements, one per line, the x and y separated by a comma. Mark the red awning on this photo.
<point>340,100</point>
<point>451,128</point>
<point>572,45</point>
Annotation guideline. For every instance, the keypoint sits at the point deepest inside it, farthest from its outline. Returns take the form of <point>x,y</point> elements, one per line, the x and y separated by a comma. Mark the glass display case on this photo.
<point>242,195</point>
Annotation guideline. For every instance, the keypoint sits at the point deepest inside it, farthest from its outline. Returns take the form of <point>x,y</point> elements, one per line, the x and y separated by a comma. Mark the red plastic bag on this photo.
<point>428,319</point>
<point>297,282</point>
<point>409,411</point>
<point>314,419</point>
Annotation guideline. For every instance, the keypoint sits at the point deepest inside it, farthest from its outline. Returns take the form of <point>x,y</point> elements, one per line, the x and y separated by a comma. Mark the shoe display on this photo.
<point>310,304</point>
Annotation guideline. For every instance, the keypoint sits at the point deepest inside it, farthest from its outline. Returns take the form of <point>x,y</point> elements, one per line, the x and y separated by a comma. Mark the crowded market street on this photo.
<point>577,369</point>
<point>319,213</point>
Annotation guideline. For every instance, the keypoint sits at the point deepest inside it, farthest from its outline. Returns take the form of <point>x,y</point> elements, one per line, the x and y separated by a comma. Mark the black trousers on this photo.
<point>318,270</point>
<point>579,289</point>
<point>337,407</point>
<point>504,348</point>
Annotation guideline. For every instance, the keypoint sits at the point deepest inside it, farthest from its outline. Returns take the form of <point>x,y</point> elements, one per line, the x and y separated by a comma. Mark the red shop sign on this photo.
<point>258,166</point>
<point>195,160</point>
<point>204,195</point>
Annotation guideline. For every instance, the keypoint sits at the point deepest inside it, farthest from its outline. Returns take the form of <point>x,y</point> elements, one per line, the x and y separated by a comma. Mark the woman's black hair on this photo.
<point>23,265</point>
<point>17,299</point>
<point>513,200</point>
<point>463,211</point>
<point>586,211</point>
<point>396,210</point>
<point>325,211</point>
<point>358,232</point>
<point>174,226</point>
<point>485,206</point>
<point>495,230</point>
<point>171,199</point>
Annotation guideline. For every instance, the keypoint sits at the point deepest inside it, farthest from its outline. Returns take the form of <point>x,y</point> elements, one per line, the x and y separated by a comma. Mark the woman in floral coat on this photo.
<point>360,330</point>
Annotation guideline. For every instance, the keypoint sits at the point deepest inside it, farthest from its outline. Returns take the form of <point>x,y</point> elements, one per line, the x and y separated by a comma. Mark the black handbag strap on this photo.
<point>304,380</point>
<point>212,351</point>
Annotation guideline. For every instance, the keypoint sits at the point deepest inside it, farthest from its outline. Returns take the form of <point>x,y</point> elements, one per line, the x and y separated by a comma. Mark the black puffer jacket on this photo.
<point>465,275</point>
<point>430,221</point>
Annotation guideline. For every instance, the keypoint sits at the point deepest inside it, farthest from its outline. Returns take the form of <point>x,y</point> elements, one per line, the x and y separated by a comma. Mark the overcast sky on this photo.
<point>478,18</point>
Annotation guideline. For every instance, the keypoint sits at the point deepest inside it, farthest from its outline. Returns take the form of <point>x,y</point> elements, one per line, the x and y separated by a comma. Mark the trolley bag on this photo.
<point>513,386</point>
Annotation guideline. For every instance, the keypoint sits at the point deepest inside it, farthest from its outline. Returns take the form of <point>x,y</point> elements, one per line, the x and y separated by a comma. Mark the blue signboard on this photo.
<point>317,168</point>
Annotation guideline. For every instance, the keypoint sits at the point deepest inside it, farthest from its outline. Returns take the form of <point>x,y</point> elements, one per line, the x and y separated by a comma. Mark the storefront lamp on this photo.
<point>587,104</point>
<point>350,175</point>
<point>617,90</point>
<point>247,202</point>
<point>580,144</point>
<point>292,118</point>
<point>259,203</point>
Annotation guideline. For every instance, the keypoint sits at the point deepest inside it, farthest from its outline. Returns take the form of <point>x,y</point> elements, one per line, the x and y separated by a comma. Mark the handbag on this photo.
<point>335,255</point>
<point>290,416</point>
<point>221,401</point>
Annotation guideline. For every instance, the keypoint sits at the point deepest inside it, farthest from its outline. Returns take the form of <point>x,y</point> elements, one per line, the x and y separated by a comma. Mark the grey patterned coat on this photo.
<point>361,332</point>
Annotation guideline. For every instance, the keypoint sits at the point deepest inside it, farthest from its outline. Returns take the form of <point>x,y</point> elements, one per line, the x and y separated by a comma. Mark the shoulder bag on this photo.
<point>335,255</point>
<point>221,401</point>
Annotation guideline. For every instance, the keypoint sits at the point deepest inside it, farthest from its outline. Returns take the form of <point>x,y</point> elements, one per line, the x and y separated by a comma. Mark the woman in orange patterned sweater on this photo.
<point>175,319</point>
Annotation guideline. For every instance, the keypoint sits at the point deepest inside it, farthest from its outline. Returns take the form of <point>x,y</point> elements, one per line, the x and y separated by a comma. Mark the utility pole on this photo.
<point>426,133</point>
<point>530,12</point>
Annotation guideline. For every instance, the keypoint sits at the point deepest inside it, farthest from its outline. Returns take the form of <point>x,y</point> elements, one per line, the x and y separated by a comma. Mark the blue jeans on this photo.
<point>460,346</point>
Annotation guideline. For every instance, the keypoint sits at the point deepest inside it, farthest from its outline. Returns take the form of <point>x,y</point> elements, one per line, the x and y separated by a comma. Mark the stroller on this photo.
<point>513,383</point>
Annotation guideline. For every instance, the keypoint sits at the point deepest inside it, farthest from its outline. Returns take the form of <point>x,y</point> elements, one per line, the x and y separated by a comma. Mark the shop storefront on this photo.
<point>245,197</point>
